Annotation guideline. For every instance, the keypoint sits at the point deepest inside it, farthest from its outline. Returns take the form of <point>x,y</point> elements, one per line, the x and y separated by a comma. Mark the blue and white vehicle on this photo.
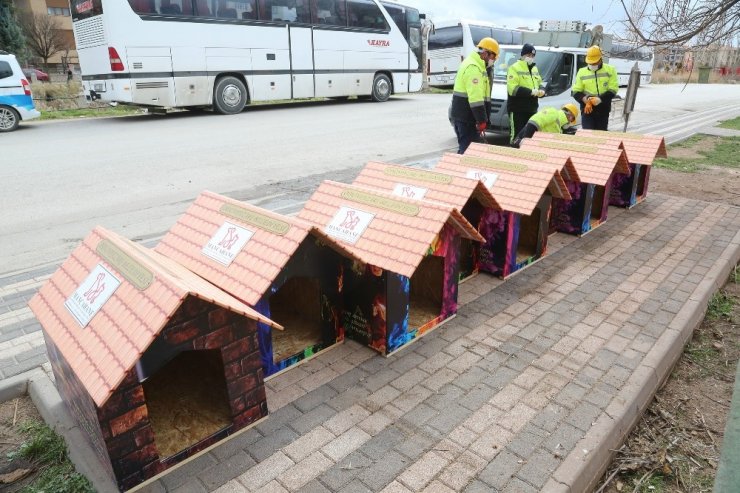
<point>16,102</point>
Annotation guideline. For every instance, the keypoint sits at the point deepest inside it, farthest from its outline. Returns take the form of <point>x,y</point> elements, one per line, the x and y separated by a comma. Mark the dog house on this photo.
<point>405,281</point>
<point>287,270</point>
<point>154,363</point>
<point>642,150</point>
<point>562,215</point>
<point>596,167</point>
<point>516,236</point>
<point>467,195</point>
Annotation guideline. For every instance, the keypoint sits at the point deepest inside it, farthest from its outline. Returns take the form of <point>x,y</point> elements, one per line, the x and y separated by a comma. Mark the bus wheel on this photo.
<point>9,119</point>
<point>381,88</point>
<point>229,96</point>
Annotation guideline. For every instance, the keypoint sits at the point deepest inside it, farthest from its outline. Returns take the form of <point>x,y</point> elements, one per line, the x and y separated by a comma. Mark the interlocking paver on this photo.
<point>496,399</point>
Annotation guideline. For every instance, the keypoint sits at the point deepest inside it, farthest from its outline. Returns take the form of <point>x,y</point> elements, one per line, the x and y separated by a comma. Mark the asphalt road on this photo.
<point>135,175</point>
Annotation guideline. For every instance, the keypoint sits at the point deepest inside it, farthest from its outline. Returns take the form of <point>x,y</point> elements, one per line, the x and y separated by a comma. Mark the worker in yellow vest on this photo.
<point>471,96</point>
<point>524,86</point>
<point>594,88</point>
<point>550,120</point>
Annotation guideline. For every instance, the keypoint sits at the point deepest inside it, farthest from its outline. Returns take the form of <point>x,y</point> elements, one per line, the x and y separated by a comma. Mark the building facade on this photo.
<point>59,10</point>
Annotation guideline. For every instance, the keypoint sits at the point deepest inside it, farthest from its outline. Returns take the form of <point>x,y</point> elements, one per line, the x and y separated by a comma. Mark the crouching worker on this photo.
<point>550,120</point>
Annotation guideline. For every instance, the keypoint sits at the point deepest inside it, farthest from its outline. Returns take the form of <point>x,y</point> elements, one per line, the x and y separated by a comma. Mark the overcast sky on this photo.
<point>525,13</point>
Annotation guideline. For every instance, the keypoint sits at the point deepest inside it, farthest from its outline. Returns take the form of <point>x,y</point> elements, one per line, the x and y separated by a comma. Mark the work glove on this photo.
<point>540,93</point>
<point>536,93</point>
<point>589,107</point>
<point>595,100</point>
<point>516,142</point>
<point>481,127</point>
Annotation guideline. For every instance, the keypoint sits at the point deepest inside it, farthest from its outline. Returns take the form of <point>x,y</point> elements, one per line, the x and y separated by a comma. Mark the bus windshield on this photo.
<point>546,62</point>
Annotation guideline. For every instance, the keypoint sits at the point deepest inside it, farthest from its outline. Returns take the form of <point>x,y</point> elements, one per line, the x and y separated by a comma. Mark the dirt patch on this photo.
<point>711,184</point>
<point>13,414</point>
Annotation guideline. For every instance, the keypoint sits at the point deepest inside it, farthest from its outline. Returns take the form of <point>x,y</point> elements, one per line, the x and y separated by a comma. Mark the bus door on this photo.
<point>301,61</point>
<point>152,80</point>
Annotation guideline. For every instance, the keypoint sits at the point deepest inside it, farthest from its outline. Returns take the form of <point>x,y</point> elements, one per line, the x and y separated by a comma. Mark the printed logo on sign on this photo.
<point>409,191</point>
<point>488,179</point>
<point>227,243</point>
<point>84,6</point>
<point>92,294</point>
<point>378,42</point>
<point>349,224</point>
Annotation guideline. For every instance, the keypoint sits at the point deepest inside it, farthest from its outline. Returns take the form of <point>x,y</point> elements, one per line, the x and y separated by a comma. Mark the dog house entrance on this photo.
<point>641,179</point>
<point>529,227</point>
<point>426,291</point>
<point>597,205</point>
<point>297,307</point>
<point>469,251</point>
<point>187,401</point>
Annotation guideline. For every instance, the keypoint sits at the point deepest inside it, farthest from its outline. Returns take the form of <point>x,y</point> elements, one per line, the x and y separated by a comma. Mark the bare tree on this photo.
<point>44,36</point>
<point>672,22</point>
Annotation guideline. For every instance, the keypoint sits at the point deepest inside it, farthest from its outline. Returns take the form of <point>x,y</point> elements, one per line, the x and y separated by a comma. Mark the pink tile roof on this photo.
<point>263,257</point>
<point>563,165</point>
<point>401,231</point>
<point>439,187</point>
<point>152,289</point>
<point>518,187</point>
<point>594,163</point>
<point>640,148</point>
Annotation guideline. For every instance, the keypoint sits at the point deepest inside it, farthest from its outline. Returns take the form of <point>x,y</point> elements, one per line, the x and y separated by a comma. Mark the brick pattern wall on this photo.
<point>123,421</point>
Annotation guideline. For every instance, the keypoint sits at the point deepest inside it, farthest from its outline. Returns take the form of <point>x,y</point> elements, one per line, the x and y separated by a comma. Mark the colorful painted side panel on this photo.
<point>495,253</point>
<point>569,216</point>
<point>643,183</point>
<point>312,260</point>
<point>624,187</point>
<point>365,308</point>
<point>398,330</point>
<point>469,249</point>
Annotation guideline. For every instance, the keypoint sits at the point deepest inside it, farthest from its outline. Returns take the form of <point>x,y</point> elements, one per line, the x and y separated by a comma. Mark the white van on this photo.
<point>16,102</point>
<point>558,68</point>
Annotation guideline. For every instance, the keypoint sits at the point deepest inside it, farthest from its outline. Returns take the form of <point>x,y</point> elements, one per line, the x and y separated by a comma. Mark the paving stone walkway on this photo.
<point>525,390</point>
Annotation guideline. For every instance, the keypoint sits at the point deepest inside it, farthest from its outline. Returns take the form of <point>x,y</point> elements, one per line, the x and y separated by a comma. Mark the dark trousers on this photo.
<point>466,133</point>
<point>595,121</point>
<point>517,121</point>
<point>525,133</point>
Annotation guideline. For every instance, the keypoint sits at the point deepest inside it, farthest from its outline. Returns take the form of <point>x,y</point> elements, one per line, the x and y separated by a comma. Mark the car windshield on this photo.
<point>546,62</point>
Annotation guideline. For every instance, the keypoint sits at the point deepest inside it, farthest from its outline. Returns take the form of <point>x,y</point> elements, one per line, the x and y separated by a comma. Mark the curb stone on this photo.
<point>581,471</point>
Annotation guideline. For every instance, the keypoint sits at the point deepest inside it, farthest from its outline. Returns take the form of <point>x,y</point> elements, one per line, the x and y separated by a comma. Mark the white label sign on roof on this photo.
<point>488,179</point>
<point>409,191</point>
<point>349,224</point>
<point>227,243</point>
<point>92,294</point>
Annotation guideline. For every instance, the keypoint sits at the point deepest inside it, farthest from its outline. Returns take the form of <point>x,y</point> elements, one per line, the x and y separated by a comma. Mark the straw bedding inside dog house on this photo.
<point>187,400</point>
<point>426,291</point>
<point>297,307</point>
<point>529,227</point>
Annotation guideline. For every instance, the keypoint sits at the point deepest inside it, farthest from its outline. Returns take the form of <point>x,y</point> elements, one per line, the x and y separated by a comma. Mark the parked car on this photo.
<point>16,101</point>
<point>40,76</point>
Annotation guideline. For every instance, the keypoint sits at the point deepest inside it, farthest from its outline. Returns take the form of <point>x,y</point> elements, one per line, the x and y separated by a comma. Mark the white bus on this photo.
<point>623,57</point>
<point>451,42</point>
<point>227,53</point>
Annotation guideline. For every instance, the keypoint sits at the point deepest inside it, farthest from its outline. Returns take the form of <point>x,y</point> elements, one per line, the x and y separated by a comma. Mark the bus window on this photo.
<point>365,13</point>
<point>330,12</point>
<point>503,36</point>
<point>285,11</point>
<point>143,6</point>
<point>478,33</point>
<point>399,16</point>
<point>174,7</point>
<point>202,9</point>
<point>446,37</point>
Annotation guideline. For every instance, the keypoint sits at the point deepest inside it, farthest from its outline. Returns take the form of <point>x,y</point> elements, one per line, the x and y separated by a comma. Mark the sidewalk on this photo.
<point>526,390</point>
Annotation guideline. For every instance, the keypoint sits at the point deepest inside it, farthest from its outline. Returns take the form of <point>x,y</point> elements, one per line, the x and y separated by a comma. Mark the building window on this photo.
<point>57,11</point>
